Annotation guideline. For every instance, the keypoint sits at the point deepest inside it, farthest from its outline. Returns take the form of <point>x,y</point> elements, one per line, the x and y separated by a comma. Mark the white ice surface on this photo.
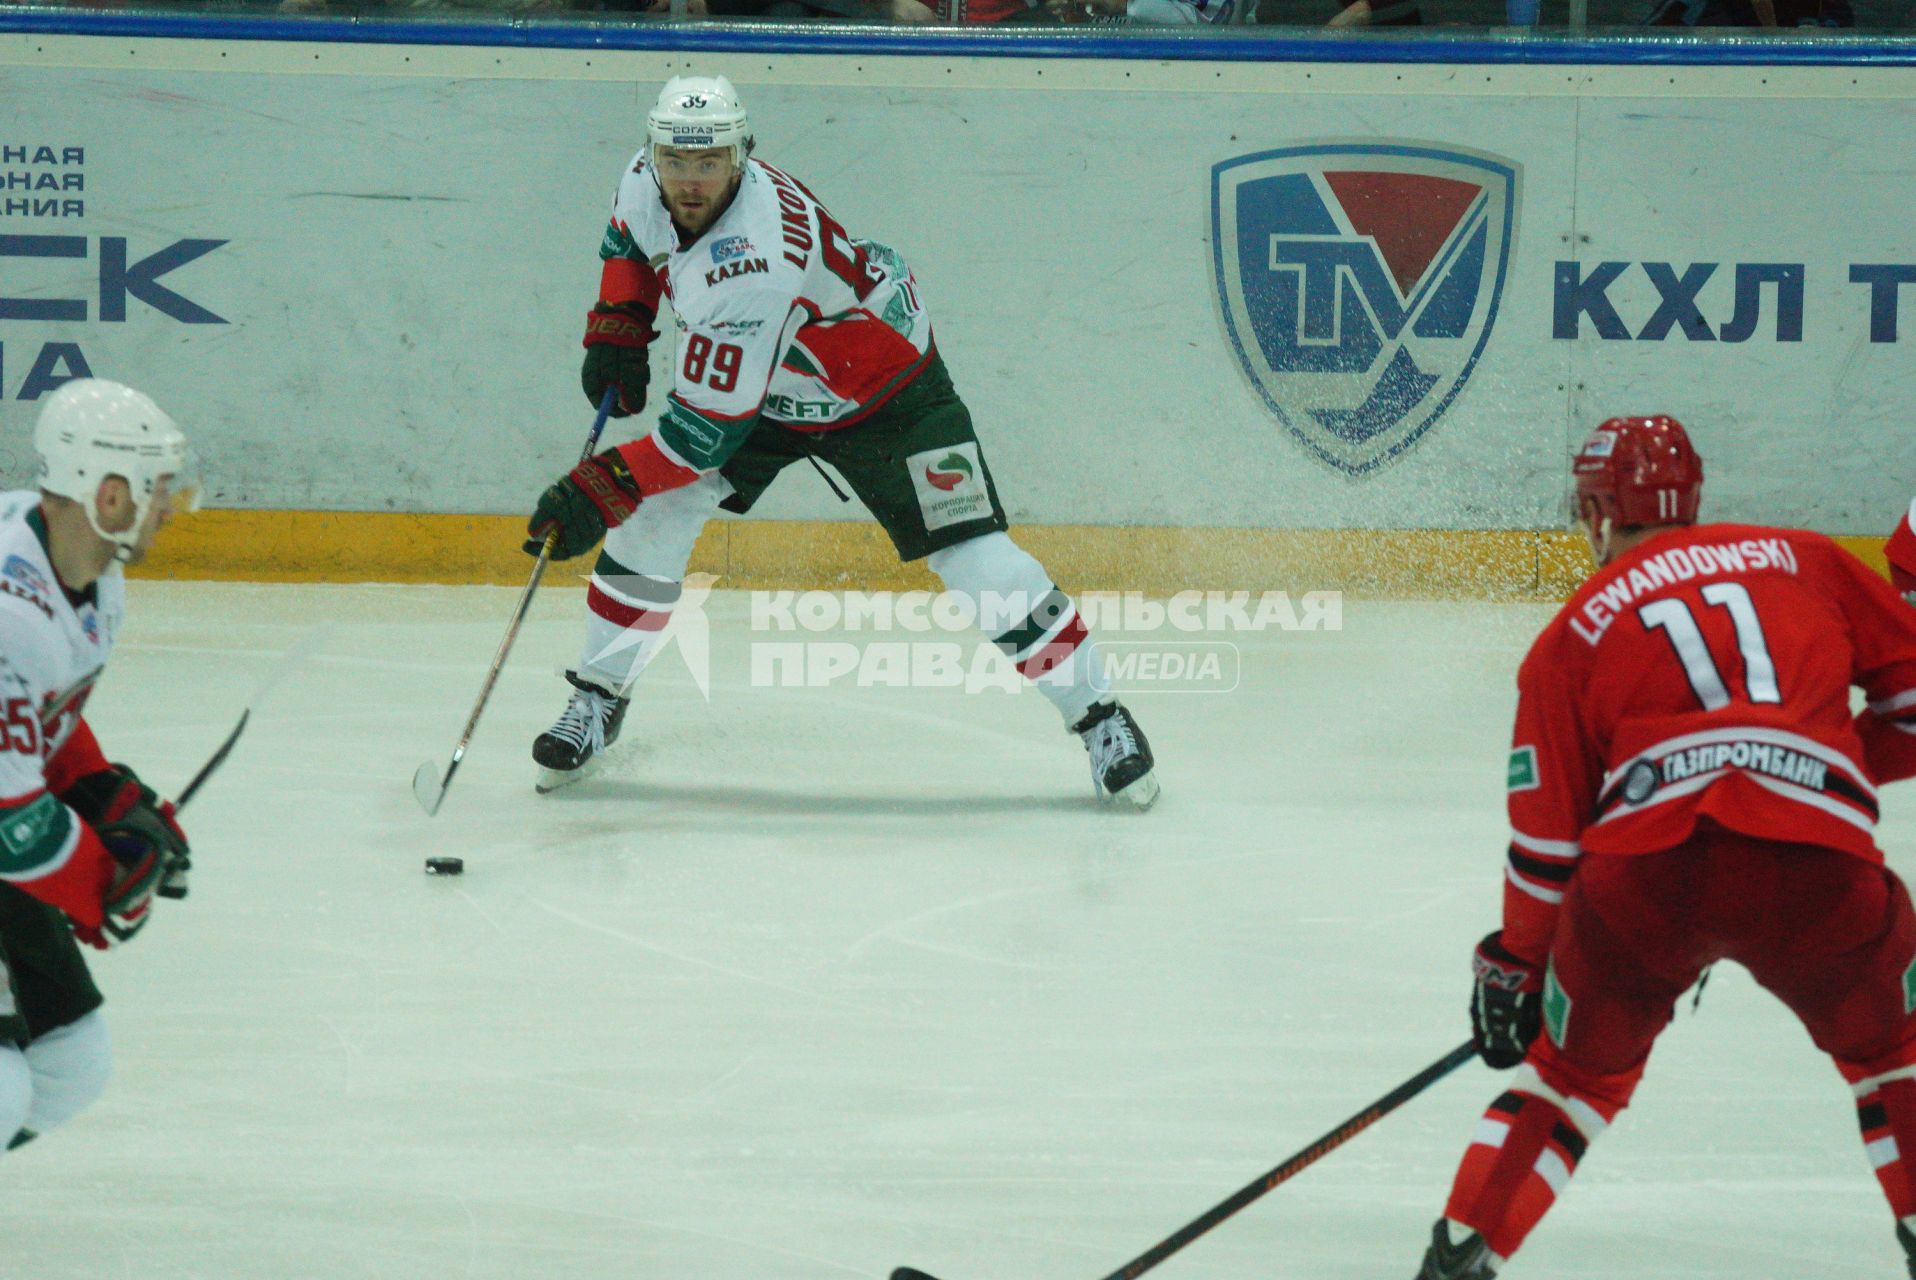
<point>812,983</point>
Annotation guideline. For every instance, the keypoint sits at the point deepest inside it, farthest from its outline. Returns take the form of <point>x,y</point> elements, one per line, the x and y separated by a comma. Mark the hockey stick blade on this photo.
<point>427,789</point>
<point>1282,1173</point>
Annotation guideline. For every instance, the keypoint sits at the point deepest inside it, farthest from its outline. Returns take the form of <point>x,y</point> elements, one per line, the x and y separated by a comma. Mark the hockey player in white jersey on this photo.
<point>796,342</point>
<point>84,844</point>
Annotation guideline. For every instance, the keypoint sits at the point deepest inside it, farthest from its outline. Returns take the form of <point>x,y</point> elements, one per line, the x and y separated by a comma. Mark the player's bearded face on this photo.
<point>698,184</point>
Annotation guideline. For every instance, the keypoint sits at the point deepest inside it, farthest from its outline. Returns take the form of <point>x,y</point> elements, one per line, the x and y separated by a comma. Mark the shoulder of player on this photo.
<point>28,588</point>
<point>785,213</point>
<point>776,180</point>
<point>1567,639</point>
<point>33,639</point>
<point>1551,653</point>
<point>635,177</point>
<point>1675,557</point>
<point>1764,546</point>
<point>637,208</point>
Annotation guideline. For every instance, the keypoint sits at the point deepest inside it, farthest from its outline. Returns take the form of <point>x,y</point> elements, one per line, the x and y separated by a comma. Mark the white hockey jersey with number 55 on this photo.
<point>52,648</point>
<point>780,314</point>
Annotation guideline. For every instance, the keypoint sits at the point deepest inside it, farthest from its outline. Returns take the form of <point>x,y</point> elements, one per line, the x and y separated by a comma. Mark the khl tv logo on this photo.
<point>1359,283</point>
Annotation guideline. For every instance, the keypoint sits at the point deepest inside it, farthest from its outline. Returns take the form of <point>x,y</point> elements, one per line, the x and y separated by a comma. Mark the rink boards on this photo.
<point>1219,322</point>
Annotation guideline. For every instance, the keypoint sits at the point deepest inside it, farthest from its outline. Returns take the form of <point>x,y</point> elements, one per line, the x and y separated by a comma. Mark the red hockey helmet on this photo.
<point>1640,471</point>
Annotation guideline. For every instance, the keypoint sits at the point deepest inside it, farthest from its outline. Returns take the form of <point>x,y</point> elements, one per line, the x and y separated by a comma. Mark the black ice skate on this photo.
<point>1466,1259</point>
<point>573,749</point>
<point>1120,757</point>
<point>1903,1235</point>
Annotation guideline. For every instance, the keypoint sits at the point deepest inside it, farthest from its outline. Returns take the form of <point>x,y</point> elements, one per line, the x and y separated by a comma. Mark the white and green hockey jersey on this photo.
<point>52,648</point>
<point>780,313</point>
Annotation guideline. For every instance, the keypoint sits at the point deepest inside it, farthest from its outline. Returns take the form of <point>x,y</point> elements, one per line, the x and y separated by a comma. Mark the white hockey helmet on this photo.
<point>90,429</point>
<point>699,111</point>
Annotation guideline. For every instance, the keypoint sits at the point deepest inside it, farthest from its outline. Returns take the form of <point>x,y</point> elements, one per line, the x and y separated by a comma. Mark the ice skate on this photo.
<point>1468,1258</point>
<point>1120,757</point>
<point>1907,1239</point>
<point>573,749</point>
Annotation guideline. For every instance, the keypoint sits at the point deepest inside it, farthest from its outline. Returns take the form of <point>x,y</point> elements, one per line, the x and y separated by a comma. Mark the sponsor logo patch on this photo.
<point>1359,283</point>
<point>26,832</point>
<point>956,470</point>
<point>1645,777</point>
<point>22,571</point>
<point>1523,770</point>
<point>1556,1006</point>
<point>1640,783</point>
<point>950,485</point>
<point>691,437</point>
<point>741,267</point>
<point>730,247</point>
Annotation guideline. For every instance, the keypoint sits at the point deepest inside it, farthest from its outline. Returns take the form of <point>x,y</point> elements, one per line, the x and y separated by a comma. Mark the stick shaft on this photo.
<point>518,615</point>
<point>218,759</point>
<point>505,642</point>
<point>1296,1164</point>
<point>300,651</point>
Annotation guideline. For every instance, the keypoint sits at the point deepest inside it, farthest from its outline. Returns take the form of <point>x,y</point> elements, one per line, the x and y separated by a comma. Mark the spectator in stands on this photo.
<point>1383,13</point>
<point>1157,13</point>
<point>1752,13</point>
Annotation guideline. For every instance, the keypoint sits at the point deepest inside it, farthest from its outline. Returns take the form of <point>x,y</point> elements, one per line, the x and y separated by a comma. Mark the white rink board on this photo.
<point>816,982</point>
<point>410,241</point>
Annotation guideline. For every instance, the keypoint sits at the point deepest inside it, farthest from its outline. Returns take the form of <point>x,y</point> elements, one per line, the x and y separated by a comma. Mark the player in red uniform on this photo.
<point>1687,784</point>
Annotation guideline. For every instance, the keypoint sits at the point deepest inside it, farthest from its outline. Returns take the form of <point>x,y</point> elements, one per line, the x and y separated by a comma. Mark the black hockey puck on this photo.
<point>445,866</point>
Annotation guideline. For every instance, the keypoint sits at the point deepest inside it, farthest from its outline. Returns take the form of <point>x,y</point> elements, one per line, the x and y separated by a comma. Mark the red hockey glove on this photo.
<point>1506,1003</point>
<point>596,495</point>
<point>617,338</point>
<point>129,900</point>
<point>114,799</point>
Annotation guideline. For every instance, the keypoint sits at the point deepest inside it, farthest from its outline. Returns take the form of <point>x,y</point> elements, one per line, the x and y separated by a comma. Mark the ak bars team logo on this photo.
<point>1359,283</point>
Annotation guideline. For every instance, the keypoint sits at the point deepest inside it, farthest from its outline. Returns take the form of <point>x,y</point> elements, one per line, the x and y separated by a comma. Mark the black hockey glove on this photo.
<point>115,800</point>
<point>617,339</point>
<point>1506,1003</point>
<point>578,507</point>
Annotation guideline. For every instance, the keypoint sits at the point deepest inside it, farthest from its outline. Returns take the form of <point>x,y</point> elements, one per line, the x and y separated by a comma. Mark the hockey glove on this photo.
<point>596,495</point>
<point>116,799</point>
<point>129,900</point>
<point>616,342</point>
<point>1506,1004</point>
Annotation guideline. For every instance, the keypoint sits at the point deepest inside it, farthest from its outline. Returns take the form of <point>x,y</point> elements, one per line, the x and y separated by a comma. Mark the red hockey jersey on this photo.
<point>1706,674</point>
